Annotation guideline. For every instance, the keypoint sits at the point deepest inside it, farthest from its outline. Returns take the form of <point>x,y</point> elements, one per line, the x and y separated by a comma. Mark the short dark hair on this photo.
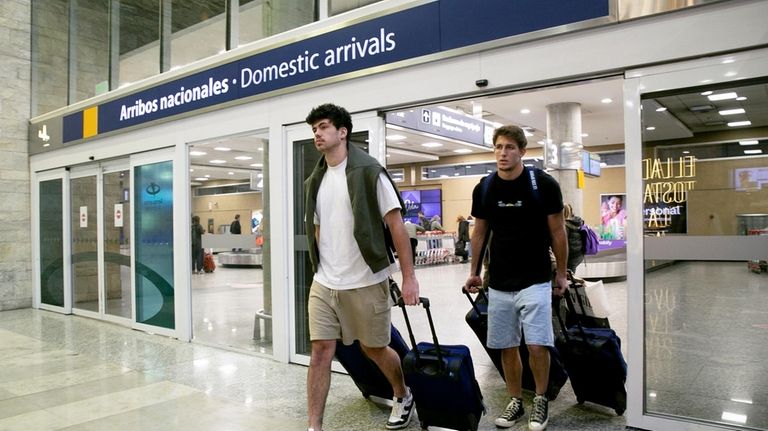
<point>336,114</point>
<point>511,132</point>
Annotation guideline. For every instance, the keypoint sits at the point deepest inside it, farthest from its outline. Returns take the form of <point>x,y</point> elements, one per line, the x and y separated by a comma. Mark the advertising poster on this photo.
<point>613,217</point>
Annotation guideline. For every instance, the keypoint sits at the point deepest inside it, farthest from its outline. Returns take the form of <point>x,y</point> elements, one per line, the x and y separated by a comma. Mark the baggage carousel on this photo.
<point>250,257</point>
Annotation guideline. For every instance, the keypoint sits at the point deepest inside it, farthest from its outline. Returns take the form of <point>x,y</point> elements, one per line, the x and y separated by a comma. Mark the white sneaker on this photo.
<point>402,410</point>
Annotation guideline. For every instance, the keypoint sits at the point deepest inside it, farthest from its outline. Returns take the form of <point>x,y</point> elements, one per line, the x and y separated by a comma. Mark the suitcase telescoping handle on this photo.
<point>571,306</point>
<point>425,303</point>
<point>481,291</point>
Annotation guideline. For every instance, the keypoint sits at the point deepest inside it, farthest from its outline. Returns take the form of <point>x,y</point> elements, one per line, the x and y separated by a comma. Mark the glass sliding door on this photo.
<point>51,243</point>
<point>84,228</point>
<point>368,135</point>
<point>153,224</point>
<point>116,194</point>
<point>698,153</point>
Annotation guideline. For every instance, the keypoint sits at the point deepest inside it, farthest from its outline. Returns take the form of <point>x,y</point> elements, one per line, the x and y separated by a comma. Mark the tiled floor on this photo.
<point>74,373</point>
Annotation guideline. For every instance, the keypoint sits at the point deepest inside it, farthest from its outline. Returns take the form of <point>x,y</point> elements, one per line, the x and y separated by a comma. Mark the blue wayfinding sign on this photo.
<point>416,32</point>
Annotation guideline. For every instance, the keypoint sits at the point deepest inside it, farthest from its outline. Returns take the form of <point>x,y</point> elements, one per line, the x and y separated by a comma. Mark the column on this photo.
<point>562,152</point>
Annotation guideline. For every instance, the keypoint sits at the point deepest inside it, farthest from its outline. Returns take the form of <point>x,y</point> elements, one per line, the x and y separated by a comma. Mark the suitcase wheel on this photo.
<point>619,412</point>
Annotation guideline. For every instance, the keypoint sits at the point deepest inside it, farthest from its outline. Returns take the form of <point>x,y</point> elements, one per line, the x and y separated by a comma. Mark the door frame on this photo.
<point>687,74</point>
<point>369,121</point>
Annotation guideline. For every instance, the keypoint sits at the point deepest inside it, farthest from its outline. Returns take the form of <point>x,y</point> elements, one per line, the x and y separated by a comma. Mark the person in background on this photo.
<point>434,224</point>
<point>412,230</point>
<point>524,227</point>
<point>462,239</point>
<point>424,222</point>
<point>575,245</point>
<point>197,245</point>
<point>234,227</point>
<point>349,199</point>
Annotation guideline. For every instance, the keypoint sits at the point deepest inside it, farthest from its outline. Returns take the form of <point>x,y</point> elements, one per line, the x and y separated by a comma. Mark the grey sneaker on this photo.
<point>539,414</point>
<point>402,410</point>
<point>511,414</point>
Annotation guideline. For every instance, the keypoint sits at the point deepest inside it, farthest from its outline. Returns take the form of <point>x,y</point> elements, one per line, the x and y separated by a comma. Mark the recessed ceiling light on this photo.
<point>749,142</point>
<point>455,174</point>
<point>525,111</point>
<point>741,400</point>
<point>257,165</point>
<point>431,144</point>
<point>707,93</point>
<point>585,135</point>
<point>758,151</point>
<point>650,128</point>
<point>201,179</point>
<point>395,137</point>
<point>191,170</point>
<point>686,152</point>
<point>217,161</point>
<point>607,100</point>
<point>223,149</point>
<point>243,158</point>
<point>734,417</point>
<point>729,74</point>
<point>230,173</point>
<point>662,109</point>
<point>739,123</point>
<point>741,98</point>
<point>462,151</point>
<point>728,60</point>
<point>261,148</point>
<point>723,96</point>
<point>197,153</point>
<point>705,81</point>
<point>207,175</point>
<point>732,111</point>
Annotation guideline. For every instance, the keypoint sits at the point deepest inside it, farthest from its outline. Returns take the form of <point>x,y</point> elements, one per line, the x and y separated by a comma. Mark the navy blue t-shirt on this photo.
<point>521,239</point>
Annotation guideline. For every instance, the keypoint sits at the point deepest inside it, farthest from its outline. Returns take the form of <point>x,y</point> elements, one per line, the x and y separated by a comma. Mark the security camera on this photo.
<point>481,82</point>
<point>91,158</point>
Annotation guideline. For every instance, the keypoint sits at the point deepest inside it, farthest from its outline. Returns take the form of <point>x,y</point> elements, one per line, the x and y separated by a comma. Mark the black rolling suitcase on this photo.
<point>442,380</point>
<point>363,371</point>
<point>477,319</point>
<point>594,362</point>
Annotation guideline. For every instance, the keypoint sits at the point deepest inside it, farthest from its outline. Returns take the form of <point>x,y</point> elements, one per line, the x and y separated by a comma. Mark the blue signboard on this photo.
<point>441,122</point>
<point>416,32</point>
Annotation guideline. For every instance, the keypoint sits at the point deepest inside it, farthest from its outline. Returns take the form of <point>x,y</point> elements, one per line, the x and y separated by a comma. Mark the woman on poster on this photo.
<point>613,217</point>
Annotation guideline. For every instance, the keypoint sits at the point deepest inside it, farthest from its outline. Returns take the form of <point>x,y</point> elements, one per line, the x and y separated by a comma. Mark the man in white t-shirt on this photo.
<point>350,201</point>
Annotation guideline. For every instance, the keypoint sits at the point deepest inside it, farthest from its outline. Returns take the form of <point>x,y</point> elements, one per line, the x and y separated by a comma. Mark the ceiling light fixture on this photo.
<point>525,111</point>
<point>201,179</point>
<point>585,135</point>
<point>395,137</point>
<point>223,149</point>
<point>722,96</point>
<point>707,93</point>
<point>607,100</point>
<point>650,128</point>
<point>728,60</point>
<point>431,144</point>
<point>732,111</point>
<point>230,173</point>
<point>243,158</point>
<point>661,109</point>
<point>741,98</point>
<point>758,151</point>
<point>739,123</point>
<point>217,161</point>
<point>197,153</point>
<point>749,142</point>
<point>729,74</point>
<point>462,151</point>
<point>257,165</point>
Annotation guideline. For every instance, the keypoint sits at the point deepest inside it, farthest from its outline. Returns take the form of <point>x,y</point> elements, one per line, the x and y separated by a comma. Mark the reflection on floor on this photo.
<point>74,373</point>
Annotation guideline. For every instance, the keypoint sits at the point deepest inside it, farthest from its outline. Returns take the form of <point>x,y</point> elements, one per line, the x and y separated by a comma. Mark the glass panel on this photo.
<point>703,175</point>
<point>198,30</point>
<point>153,217</point>
<point>139,40</point>
<point>90,51</point>
<point>117,243</point>
<point>260,19</point>
<point>51,243</point>
<point>84,227</point>
<point>232,305</point>
<point>341,6</point>
<point>49,55</point>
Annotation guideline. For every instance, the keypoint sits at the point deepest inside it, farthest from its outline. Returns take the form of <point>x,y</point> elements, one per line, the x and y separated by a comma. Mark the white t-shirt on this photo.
<point>341,263</point>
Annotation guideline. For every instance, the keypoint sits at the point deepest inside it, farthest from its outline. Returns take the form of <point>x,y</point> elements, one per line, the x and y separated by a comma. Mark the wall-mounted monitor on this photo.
<point>429,201</point>
<point>590,163</point>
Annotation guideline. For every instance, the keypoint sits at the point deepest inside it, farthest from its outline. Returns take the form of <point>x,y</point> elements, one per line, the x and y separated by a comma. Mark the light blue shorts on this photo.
<point>528,311</point>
